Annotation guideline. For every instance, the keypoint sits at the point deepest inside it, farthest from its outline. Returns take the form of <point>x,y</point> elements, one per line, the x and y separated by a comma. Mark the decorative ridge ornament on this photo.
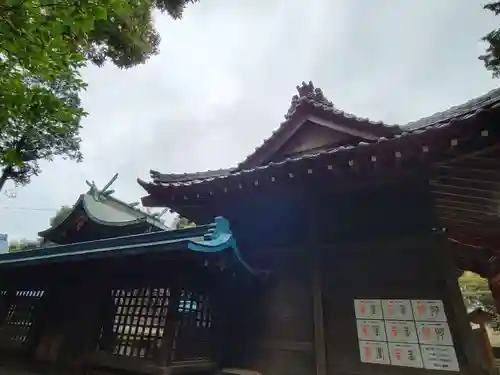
<point>308,91</point>
<point>100,193</point>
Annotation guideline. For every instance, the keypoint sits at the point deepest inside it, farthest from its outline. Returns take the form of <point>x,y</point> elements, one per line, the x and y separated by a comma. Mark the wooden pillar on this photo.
<point>452,289</point>
<point>494,284</point>
<point>221,293</point>
<point>489,357</point>
<point>318,319</point>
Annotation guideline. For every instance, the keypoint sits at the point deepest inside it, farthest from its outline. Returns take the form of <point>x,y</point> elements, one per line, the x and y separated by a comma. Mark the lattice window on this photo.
<point>16,328</point>
<point>139,320</point>
<point>193,334</point>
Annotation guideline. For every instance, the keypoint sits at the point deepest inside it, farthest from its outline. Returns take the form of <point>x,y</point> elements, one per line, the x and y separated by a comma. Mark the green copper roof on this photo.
<point>113,216</point>
<point>211,238</point>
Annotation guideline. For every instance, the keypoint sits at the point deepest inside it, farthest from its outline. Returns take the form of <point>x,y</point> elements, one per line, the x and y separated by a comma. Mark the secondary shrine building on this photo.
<point>362,230</point>
<point>333,249</point>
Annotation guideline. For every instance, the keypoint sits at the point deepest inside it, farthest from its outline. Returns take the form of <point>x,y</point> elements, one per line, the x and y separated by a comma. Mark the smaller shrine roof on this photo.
<point>103,209</point>
<point>212,238</point>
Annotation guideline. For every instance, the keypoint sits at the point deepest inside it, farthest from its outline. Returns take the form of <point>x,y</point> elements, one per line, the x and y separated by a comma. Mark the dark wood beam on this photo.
<point>483,207</point>
<point>472,190</point>
<point>466,196</point>
<point>441,207</point>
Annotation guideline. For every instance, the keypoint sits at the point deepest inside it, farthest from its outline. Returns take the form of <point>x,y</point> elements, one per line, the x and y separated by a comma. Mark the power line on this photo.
<point>28,208</point>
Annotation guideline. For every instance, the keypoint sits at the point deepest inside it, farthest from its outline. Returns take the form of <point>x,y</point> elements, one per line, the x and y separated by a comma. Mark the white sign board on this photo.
<point>401,331</point>
<point>371,330</point>
<point>439,357</point>
<point>368,309</point>
<point>434,333</point>
<point>407,355</point>
<point>397,309</point>
<point>374,352</point>
<point>428,310</point>
<point>4,243</point>
<point>408,333</point>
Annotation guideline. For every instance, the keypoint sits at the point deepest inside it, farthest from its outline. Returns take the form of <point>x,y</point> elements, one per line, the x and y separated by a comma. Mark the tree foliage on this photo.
<point>23,245</point>
<point>43,44</point>
<point>181,223</point>
<point>41,121</point>
<point>60,215</point>
<point>491,57</point>
<point>476,294</point>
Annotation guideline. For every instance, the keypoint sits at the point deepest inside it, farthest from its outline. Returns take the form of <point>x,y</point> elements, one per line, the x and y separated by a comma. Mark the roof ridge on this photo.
<point>314,96</point>
<point>494,104</point>
<point>482,101</point>
<point>308,94</point>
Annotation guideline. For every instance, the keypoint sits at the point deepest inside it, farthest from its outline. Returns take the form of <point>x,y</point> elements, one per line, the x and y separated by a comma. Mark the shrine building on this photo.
<point>333,249</point>
<point>343,212</point>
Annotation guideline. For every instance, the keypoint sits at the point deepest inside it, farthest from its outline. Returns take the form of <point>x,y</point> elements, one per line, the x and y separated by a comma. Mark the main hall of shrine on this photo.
<point>333,249</point>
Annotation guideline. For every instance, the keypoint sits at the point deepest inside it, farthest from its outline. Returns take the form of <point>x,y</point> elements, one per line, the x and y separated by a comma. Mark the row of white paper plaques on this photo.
<point>410,333</point>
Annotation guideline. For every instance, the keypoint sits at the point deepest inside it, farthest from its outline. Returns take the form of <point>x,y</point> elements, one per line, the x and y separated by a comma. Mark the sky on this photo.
<point>224,80</point>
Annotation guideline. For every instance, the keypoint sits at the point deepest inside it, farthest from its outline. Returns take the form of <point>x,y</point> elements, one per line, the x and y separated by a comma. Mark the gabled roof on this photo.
<point>309,106</point>
<point>211,238</point>
<point>100,207</point>
<point>311,99</point>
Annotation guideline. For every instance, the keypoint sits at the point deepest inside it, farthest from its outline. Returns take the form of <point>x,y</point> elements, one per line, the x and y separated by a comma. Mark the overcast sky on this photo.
<point>225,77</point>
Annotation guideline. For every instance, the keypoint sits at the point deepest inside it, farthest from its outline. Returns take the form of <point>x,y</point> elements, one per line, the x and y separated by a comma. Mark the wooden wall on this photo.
<point>372,244</point>
<point>404,268</point>
<point>273,331</point>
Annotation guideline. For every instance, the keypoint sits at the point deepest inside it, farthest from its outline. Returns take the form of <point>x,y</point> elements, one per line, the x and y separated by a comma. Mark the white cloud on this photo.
<point>226,74</point>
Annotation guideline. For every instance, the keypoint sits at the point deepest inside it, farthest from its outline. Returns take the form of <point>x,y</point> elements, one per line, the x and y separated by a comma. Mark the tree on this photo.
<point>129,38</point>
<point>60,215</point>
<point>181,223</point>
<point>43,43</point>
<point>476,294</point>
<point>491,58</point>
<point>23,245</point>
<point>43,32</point>
<point>41,121</point>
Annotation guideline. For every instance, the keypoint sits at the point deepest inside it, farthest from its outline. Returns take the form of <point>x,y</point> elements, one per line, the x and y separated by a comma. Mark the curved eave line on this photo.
<point>55,255</point>
<point>47,232</point>
<point>124,250</point>
<point>144,184</point>
<point>438,127</point>
<point>218,238</point>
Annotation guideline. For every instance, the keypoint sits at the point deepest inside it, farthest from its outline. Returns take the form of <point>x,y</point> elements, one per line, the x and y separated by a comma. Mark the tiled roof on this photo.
<point>482,101</point>
<point>438,120</point>
<point>314,99</point>
<point>183,177</point>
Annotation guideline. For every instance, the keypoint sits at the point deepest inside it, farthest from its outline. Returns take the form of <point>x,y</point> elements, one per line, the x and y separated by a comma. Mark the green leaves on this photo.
<point>43,44</point>
<point>60,215</point>
<point>491,58</point>
<point>100,14</point>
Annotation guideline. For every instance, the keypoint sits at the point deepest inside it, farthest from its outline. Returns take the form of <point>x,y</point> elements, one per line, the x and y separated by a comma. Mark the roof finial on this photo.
<point>105,191</point>
<point>307,92</point>
<point>305,89</point>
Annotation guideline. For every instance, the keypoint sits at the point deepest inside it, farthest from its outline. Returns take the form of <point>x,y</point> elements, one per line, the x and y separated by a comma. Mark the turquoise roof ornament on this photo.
<point>212,238</point>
